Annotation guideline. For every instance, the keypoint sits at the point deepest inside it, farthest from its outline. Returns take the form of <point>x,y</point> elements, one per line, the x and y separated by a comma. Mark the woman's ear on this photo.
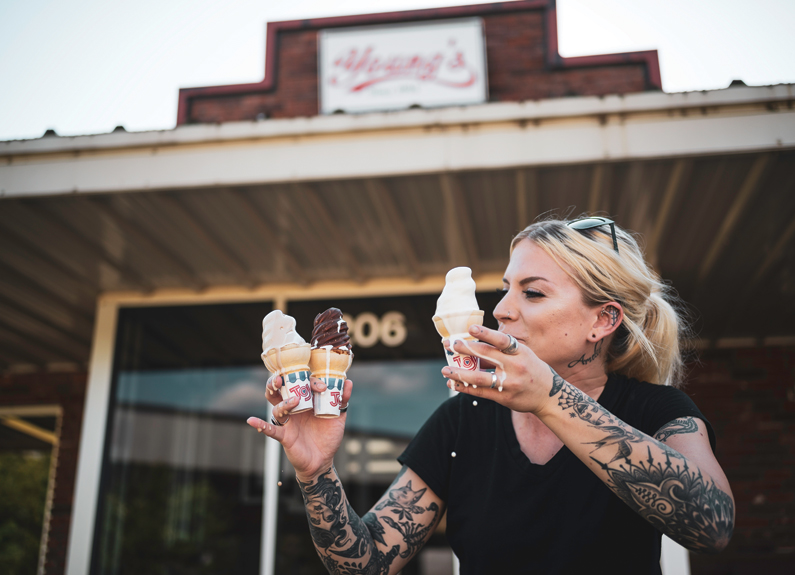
<point>609,317</point>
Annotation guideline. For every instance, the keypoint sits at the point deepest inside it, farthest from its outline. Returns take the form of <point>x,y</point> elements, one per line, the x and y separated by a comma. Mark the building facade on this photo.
<point>136,267</point>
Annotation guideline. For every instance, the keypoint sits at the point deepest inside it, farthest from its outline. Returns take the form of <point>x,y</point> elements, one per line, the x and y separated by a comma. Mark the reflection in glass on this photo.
<point>182,474</point>
<point>391,401</point>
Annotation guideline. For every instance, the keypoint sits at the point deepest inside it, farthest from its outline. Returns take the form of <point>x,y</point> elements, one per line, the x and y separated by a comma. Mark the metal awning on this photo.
<point>719,223</point>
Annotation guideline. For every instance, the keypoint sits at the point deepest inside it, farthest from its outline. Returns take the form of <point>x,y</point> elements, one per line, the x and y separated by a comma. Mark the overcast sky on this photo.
<point>86,66</point>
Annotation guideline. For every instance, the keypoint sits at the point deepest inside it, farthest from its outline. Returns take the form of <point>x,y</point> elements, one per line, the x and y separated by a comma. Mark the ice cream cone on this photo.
<point>454,326</point>
<point>458,323</point>
<point>291,361</point>
<point>331,366</point>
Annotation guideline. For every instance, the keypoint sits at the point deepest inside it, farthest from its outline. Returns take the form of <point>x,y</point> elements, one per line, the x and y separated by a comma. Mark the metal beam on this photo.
<point>202,232</point>
<point>249,207</point>
<point>677,181</point>
<point>460,231</point>
<point>595,192</point>
<point>137,235</point>
<point>34,313</point>
<point>633,205</point>
<point>332,229</point>
<point>13,353</point>
<point>747,189</point>
<point>55,222</point>
<point>47,342</point>
<point>34,252</point>
<point>390,216</point>
<point>526,185</point>
<point>784,241</point>
<point>13,277</point>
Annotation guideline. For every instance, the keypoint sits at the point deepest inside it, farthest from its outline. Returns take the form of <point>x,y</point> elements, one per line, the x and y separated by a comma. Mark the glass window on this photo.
<point>182,475</point>
<point>398,384</point>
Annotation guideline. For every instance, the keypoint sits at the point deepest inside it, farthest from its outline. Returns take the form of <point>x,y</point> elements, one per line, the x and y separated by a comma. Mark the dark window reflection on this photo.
<point>182,474</point>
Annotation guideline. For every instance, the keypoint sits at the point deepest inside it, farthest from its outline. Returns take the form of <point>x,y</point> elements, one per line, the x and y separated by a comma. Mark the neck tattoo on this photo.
<point>597,349</point>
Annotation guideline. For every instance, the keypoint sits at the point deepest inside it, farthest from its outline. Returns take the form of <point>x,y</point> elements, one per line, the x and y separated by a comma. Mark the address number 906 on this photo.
<point>367,329</point>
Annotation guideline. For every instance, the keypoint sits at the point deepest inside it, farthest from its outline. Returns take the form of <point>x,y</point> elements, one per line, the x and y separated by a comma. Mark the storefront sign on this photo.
<point>395,67</point>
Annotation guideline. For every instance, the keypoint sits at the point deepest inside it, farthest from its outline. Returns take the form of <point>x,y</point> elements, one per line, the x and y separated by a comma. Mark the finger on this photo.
<point>282,410</point>
<point>268,429</point>
<point>273,385</point>
<point>317,384</point>
<point>476,379</point>
<point>496,339</point>
<point>482,350</point>
<point>347,391</point>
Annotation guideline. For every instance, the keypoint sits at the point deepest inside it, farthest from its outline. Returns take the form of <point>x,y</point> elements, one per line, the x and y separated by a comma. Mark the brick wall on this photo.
<point>518,68</point>
<point>749,397</point>
<point>68,391</point>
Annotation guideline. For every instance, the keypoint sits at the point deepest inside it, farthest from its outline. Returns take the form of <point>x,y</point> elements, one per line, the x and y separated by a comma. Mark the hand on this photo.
<point>309,442</point>
<point>526,381</point>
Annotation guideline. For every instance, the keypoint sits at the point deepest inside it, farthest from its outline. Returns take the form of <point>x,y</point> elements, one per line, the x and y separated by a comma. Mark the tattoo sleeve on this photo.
<point>663,486</point>
<point>378,543</point>
<point>675,427</point>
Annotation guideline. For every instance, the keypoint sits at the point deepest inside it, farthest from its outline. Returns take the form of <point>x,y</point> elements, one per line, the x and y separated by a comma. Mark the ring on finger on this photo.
<point>493,380</point>
<point>513,346</point>
<point>278,423</point>
<point>343,408</point>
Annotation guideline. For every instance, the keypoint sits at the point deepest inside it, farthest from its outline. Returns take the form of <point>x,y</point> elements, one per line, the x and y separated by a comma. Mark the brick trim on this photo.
<point>554,60</point>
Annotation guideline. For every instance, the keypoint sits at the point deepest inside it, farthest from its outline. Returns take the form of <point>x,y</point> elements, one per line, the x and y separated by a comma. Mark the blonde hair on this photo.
<point>648,344</point>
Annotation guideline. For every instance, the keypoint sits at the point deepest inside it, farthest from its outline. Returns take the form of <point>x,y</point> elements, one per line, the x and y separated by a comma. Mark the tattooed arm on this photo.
<point>673,481</point>
<point>382,541</point>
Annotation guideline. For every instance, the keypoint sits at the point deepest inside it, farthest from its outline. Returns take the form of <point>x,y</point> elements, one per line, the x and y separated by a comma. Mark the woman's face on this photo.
<point>543,308</point>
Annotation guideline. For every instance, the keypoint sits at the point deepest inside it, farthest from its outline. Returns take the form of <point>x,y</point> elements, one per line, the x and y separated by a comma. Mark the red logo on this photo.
<point>335,399</point>
<point>466,362</point>
<point>301,391</point>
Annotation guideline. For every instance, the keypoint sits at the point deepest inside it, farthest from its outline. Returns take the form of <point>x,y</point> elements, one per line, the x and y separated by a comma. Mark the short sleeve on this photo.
<point>669,403</point>
<point>425,455</point>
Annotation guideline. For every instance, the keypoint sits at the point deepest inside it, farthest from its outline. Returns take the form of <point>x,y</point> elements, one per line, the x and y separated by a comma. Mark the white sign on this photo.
<point>394,67</point>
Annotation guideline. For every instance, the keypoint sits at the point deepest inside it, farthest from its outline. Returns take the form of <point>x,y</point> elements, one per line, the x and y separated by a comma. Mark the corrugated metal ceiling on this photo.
<point>720,228</point>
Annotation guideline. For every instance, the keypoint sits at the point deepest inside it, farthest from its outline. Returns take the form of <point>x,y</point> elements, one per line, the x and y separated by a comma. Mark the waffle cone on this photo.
<point>325,362</point>
<point>457,323</point>
<point>288,359</point>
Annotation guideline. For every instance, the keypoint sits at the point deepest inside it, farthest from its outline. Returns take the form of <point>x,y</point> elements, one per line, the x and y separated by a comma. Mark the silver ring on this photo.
<point>343,408</point>
<point>493,380</point>
<point>513,346</point>
<point>276,422</point>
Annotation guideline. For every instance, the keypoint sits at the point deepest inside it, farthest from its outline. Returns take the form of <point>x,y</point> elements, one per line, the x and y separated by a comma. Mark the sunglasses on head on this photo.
<point>584,224</point>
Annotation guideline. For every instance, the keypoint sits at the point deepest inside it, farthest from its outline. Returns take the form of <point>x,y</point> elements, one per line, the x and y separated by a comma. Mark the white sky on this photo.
<point>86,66</point>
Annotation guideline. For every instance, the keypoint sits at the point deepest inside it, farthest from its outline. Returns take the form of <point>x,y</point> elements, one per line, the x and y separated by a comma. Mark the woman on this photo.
<point>565,459</point>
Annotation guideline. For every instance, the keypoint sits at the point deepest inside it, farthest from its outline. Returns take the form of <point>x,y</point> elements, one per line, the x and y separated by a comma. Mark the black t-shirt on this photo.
<point>507,515</point>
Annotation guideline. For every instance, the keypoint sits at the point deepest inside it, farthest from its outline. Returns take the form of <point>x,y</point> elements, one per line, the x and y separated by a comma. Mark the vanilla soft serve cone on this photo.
<point>456,310</point>
<point>285,353</point>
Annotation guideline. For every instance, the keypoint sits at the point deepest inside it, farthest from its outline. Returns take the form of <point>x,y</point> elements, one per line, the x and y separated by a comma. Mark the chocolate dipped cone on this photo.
<point>331,358</point>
